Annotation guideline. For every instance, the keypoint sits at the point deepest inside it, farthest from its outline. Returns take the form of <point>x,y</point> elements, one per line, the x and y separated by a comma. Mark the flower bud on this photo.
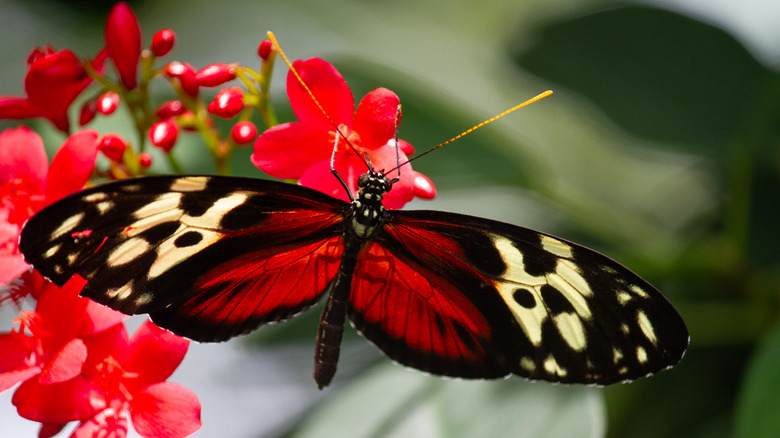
<point>123,41</point>
<point>170,108</point>
<point>264,49</point>
<point>88,111</point>
<point>186,75</point>
<point>227,103</point>
<point>162,42</point>
<point>243,133</point>
<point>112,146</point>
<point>423,186</point>
<point>107,102</point>
<point>144,159</point>
<point>215,74</point>
<point>163,134</point>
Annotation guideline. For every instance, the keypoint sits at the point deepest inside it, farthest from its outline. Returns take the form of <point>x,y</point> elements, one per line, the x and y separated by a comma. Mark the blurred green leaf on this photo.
<point>758,405</point>
<point>658,74</point>
<point>392,402</point>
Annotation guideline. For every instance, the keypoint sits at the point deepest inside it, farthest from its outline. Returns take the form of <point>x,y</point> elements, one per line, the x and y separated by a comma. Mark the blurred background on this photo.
<point>660,148</point>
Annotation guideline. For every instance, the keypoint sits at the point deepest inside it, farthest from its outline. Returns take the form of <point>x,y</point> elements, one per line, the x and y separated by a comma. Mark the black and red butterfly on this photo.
<point>212,257</point>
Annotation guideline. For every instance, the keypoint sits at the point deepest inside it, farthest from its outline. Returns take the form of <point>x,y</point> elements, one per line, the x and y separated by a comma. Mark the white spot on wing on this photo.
<point>639,291</point>
<point>570,283</point>
<point>552,367</point>
<point>211,218</point>
<point>68,225</point>
<point>96,197</point>
<point>641,355</point>
<point>190,184</point>
<point>646,326</point>
<point>51,251</point>
<point>169,255</point>
<point>128,251</point>
<point>571,329</point>
<point>556,247</point>
<point>530,320</point>
<point>162,203</point>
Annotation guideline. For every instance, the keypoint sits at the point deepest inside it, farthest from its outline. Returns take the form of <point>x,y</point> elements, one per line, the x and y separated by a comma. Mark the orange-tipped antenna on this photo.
<point>479,125</point>
<point>317,102</point>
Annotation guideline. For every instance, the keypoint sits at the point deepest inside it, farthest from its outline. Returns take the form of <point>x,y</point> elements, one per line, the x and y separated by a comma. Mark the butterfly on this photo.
<point>213,257</point>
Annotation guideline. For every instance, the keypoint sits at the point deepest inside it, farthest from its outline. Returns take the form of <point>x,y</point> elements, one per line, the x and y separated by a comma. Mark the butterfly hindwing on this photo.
<point>470,297</point>
<point>207,257</point>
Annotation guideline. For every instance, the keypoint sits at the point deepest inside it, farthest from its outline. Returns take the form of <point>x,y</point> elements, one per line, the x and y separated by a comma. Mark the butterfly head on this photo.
<point>367,208</point>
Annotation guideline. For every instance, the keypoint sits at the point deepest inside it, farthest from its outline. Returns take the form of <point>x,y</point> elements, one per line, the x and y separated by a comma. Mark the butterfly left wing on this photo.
<point>469,297</point>
<point>207,257</point>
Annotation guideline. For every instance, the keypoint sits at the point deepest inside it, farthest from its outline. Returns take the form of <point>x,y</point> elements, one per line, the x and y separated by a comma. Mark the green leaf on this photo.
<point>758,405</point>
<point>390,401</point>
<point>657,74</point>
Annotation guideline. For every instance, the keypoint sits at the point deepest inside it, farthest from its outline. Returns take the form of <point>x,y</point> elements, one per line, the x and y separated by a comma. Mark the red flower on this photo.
<point>123,41</point>
<point>127,380</point>
<point>215,75</point>
<point>302,150</point>
<point>54,80</point>
<point>26,186</point>
<point>51,342</point>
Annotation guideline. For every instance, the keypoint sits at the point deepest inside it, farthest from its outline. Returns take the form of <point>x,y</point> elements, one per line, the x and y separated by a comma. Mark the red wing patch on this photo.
<point>417,316</point>
<point>263,286</point>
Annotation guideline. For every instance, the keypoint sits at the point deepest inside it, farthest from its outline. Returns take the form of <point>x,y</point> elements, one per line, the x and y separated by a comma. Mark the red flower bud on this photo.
<point>186,75</point>
<point>215,74</point>
<point>107,102</point>
<point>227,103</point>
<point>243,132</point>
<point>423,186</point>
<point>163,134</point>
<point>112,146</point>
<point>144,159</point>
<point>170,108</point>
<point>88,111</point>
<point>162,42</point>
<point>405,147</point>
<point>264,49</point>
<point>123,41</point>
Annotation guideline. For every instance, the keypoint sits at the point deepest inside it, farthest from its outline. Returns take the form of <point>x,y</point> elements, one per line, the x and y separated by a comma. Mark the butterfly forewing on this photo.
<point>489,299</point>
<point>207,257</point>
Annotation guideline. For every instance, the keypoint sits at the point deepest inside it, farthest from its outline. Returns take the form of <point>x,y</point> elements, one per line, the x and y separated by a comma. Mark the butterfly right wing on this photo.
<point>207,257</point>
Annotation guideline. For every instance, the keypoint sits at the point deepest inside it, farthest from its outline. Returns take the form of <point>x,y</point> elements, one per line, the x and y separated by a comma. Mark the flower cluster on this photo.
<point>72,360</point>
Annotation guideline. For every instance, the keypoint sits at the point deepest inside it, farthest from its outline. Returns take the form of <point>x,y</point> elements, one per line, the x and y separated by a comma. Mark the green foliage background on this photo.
<point>660,147</point>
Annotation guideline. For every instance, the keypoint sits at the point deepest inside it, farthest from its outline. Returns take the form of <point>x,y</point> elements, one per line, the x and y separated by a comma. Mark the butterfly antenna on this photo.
<point>272,37</point>
<point>397,148</point>
<point>539,96</point>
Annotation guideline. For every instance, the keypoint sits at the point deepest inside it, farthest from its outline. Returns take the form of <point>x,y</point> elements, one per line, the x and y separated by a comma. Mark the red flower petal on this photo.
<point>72,166</point>
<point>75,399</point>
<point>106,424</point>
<point>375,118</point>
<point>123,41</point>
<point>154,354</point>
<point>113,342</point>
<point>165,410</point>
<point>330,89</point>
<point>16,108</point>
<point>49,430</point>
<point>53,82</point>
<point>288,149</point>
<point>65,364</point>
<point>10,378</point>
<point>320,178</point>
<point>23,158</point>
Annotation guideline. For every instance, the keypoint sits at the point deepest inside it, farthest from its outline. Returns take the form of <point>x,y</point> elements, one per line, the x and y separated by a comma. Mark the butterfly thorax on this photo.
<point>367,208</point>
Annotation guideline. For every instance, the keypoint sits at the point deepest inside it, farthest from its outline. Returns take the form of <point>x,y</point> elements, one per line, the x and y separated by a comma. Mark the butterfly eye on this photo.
<point>363,180</point>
